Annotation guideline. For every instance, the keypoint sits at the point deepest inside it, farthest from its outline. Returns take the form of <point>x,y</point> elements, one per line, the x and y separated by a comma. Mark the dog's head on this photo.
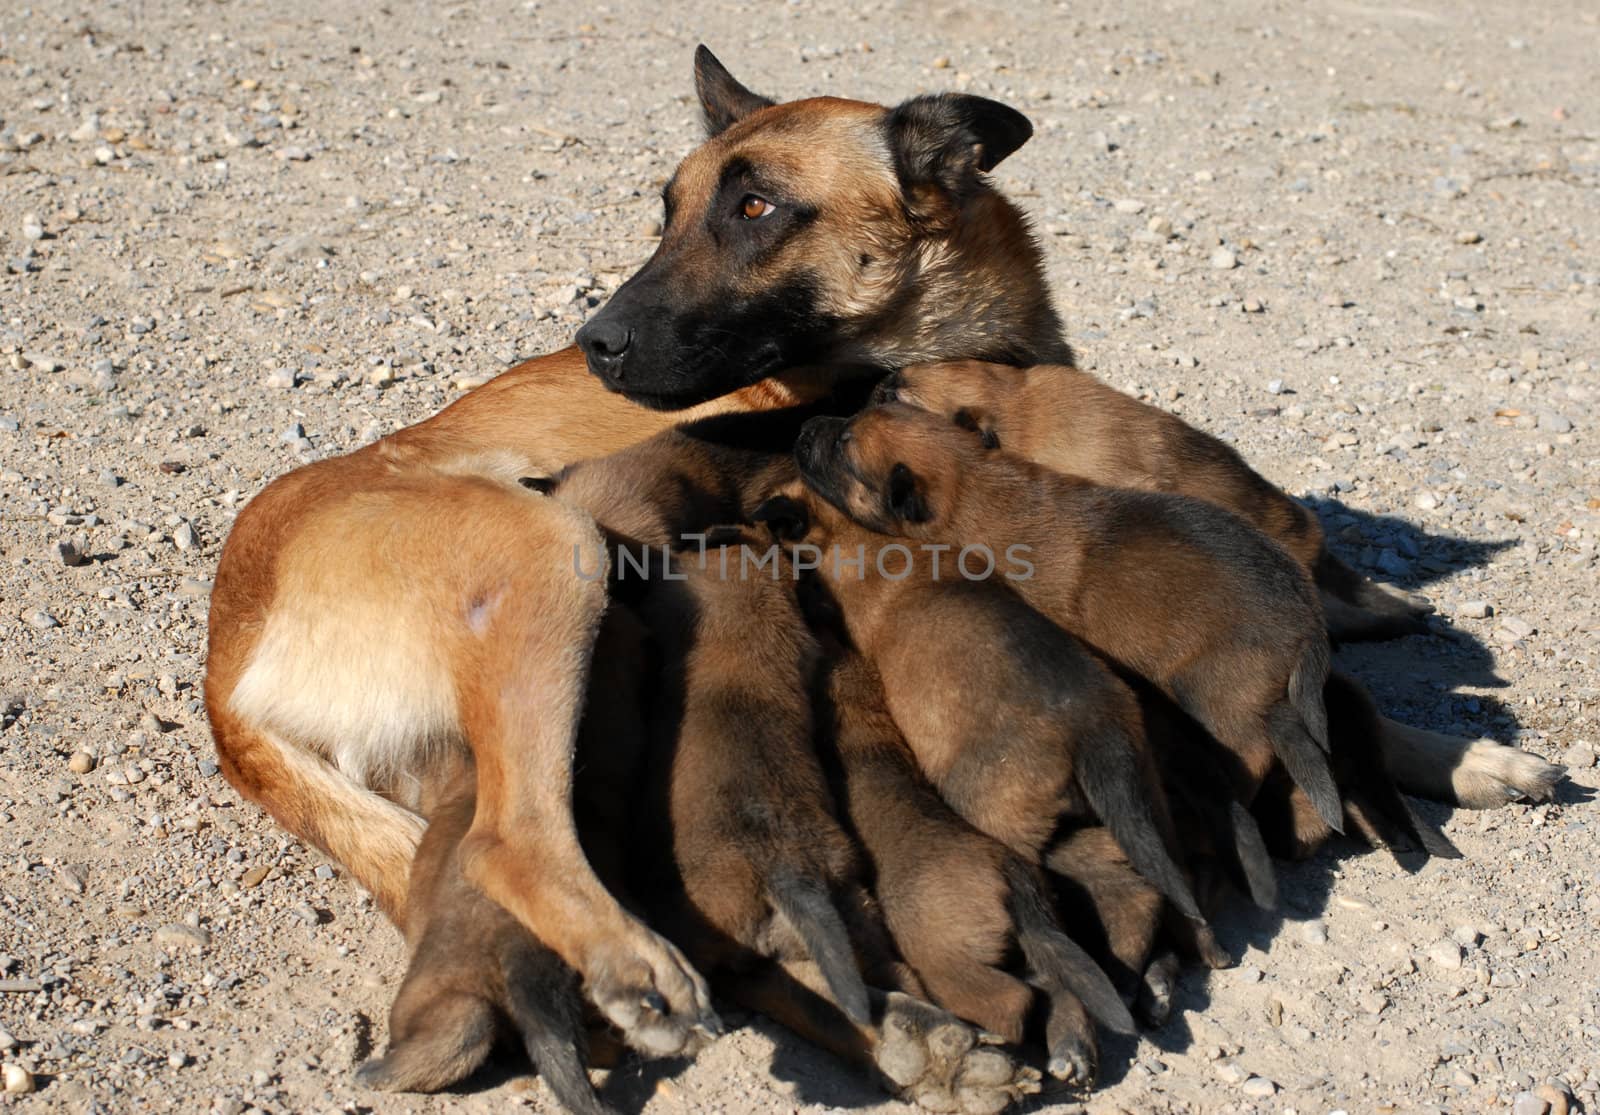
<point>892,468</point>
<point>971,393</point>
<point>795,235</point>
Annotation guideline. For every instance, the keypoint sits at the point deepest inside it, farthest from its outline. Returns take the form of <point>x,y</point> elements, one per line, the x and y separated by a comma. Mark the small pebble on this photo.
<point>1466,936</point>
<point>18,1080</point>
<point>1446,954</point>
<point>1314,933</point>
<point>39,619</point>
<point>179,935</point>
<point>1580,756</point>
<point>70,554</point>
<point>1128,205</point>
<point>1527,1103</point>
<point>81,762</point>
<point>1259,1087</point>
<point>1224,259</point>
<point>1475,609</point>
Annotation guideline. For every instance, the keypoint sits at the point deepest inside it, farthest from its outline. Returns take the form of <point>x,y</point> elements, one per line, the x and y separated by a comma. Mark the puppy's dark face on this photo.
<point>788,234</point>
<point>892,468</point>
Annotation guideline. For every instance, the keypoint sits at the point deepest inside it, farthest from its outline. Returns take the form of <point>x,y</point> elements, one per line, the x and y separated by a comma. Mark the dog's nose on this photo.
<point>605,344</point>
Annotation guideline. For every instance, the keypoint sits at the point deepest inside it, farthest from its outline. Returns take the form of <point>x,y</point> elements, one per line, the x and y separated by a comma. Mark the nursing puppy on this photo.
<point>1022,731</point>
<point>473,968</point>
<point>957,903</point>
<point>1067,420</point>
<point>1246,655</point>
<point>749,863</point>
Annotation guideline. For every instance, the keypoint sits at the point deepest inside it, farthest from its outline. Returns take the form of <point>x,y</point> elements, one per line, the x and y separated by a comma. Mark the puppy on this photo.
<point>956,902</point>
<point>1067,420</point>
<point>750,863</point>
<point>1180,592</point>
<point>473,968</point>
<point>1022,730</point>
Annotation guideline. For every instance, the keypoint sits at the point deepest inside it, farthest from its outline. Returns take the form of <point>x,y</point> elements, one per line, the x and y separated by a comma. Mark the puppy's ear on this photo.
<point>980,423</point>
<point>942,143</point>
<point>785,516</point>
<point>723,100</point>
<point>906,501</point>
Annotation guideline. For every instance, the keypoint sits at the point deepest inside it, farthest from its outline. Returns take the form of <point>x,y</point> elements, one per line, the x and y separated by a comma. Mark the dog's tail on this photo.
<point>1297,727</point>
<point>1108,771</point>
<point>1055,961</point>
<point>806,905</point>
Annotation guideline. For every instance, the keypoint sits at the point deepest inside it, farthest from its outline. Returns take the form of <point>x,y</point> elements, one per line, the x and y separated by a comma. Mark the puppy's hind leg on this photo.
<point>1473,774</point>
<point>435,1039</point>
<point>1358,610</point>
<point>1127,803</point>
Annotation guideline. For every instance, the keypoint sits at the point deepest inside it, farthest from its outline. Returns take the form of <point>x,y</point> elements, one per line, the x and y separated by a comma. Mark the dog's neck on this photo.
<point>977,293</point>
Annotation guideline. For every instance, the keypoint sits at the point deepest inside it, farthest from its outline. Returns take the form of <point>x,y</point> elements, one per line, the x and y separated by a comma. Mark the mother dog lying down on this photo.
<point>375,611</point>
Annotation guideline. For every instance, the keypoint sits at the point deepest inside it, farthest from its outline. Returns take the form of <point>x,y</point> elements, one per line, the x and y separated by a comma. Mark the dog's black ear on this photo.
<point>980,423</point>
<point>905,496</point>
<point>945,141</point>
<point>785,516</point>
<point>723,100</point>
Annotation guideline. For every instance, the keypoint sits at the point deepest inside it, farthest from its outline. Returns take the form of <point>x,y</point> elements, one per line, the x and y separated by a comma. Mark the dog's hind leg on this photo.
<point>1358,610</point>
<point>1471,773</point>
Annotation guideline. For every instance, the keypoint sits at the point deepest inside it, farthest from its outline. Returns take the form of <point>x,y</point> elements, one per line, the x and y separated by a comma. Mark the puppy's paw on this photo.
<point>1074,1061</point>
<point>936,1061</point>
<point>1154,1002</point>
<point>651,993</point>
<point>1491,774</point>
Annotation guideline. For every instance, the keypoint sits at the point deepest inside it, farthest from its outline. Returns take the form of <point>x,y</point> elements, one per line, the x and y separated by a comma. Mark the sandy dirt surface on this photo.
<point>1362,241</point>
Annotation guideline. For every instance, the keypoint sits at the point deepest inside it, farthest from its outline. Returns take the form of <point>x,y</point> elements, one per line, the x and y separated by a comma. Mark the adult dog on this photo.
<point>375,611</point>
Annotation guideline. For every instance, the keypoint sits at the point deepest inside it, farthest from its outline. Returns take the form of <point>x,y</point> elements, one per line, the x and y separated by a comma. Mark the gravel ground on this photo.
<point>1360,240</point>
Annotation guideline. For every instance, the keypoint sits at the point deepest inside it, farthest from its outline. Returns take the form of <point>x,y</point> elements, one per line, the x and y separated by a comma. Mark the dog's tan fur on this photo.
<point>375,610</point>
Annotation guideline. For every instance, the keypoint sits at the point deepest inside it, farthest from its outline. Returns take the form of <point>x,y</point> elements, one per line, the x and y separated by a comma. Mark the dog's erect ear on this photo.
<point>723,100</point>
<point>944,141</point>
<point>980,423</point>
<point>905,496</point>
<point>785,516</point>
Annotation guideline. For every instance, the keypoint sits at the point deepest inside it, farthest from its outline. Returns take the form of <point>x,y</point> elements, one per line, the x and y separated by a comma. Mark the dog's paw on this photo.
<point>1074,1061</point>
<point>1491,774</point>
<point>934,1060</point>
<point>651,993</point>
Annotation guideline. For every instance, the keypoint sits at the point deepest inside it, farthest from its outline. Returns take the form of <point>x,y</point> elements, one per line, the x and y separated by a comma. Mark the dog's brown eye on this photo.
<point>753,208</point>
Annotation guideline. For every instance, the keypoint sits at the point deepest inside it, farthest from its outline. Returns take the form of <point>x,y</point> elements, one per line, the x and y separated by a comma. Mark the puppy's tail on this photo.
<point>1108,772</point>
<point>811,912</point>
<point>1298,729</point>
<point>1251,856</point>
<point>1055,961</point>
<point>549,1016</point>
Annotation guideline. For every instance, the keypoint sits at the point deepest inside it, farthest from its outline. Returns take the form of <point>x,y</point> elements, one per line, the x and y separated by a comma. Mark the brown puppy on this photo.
<point>1067,420</point>
<point>749,862</point>
<point>956,901</point>
<point>1024,730</point>
<point>472,965</point>
<point>1246,657</point>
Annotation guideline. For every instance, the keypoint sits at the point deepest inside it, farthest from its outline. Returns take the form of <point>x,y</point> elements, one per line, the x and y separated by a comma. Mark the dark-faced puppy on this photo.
<point>1181,592</point>
<point>1067,420</point>
<point>751,864</point>
<point>957,903</point>
<point>474,970</point>
<point>1022,729</point>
